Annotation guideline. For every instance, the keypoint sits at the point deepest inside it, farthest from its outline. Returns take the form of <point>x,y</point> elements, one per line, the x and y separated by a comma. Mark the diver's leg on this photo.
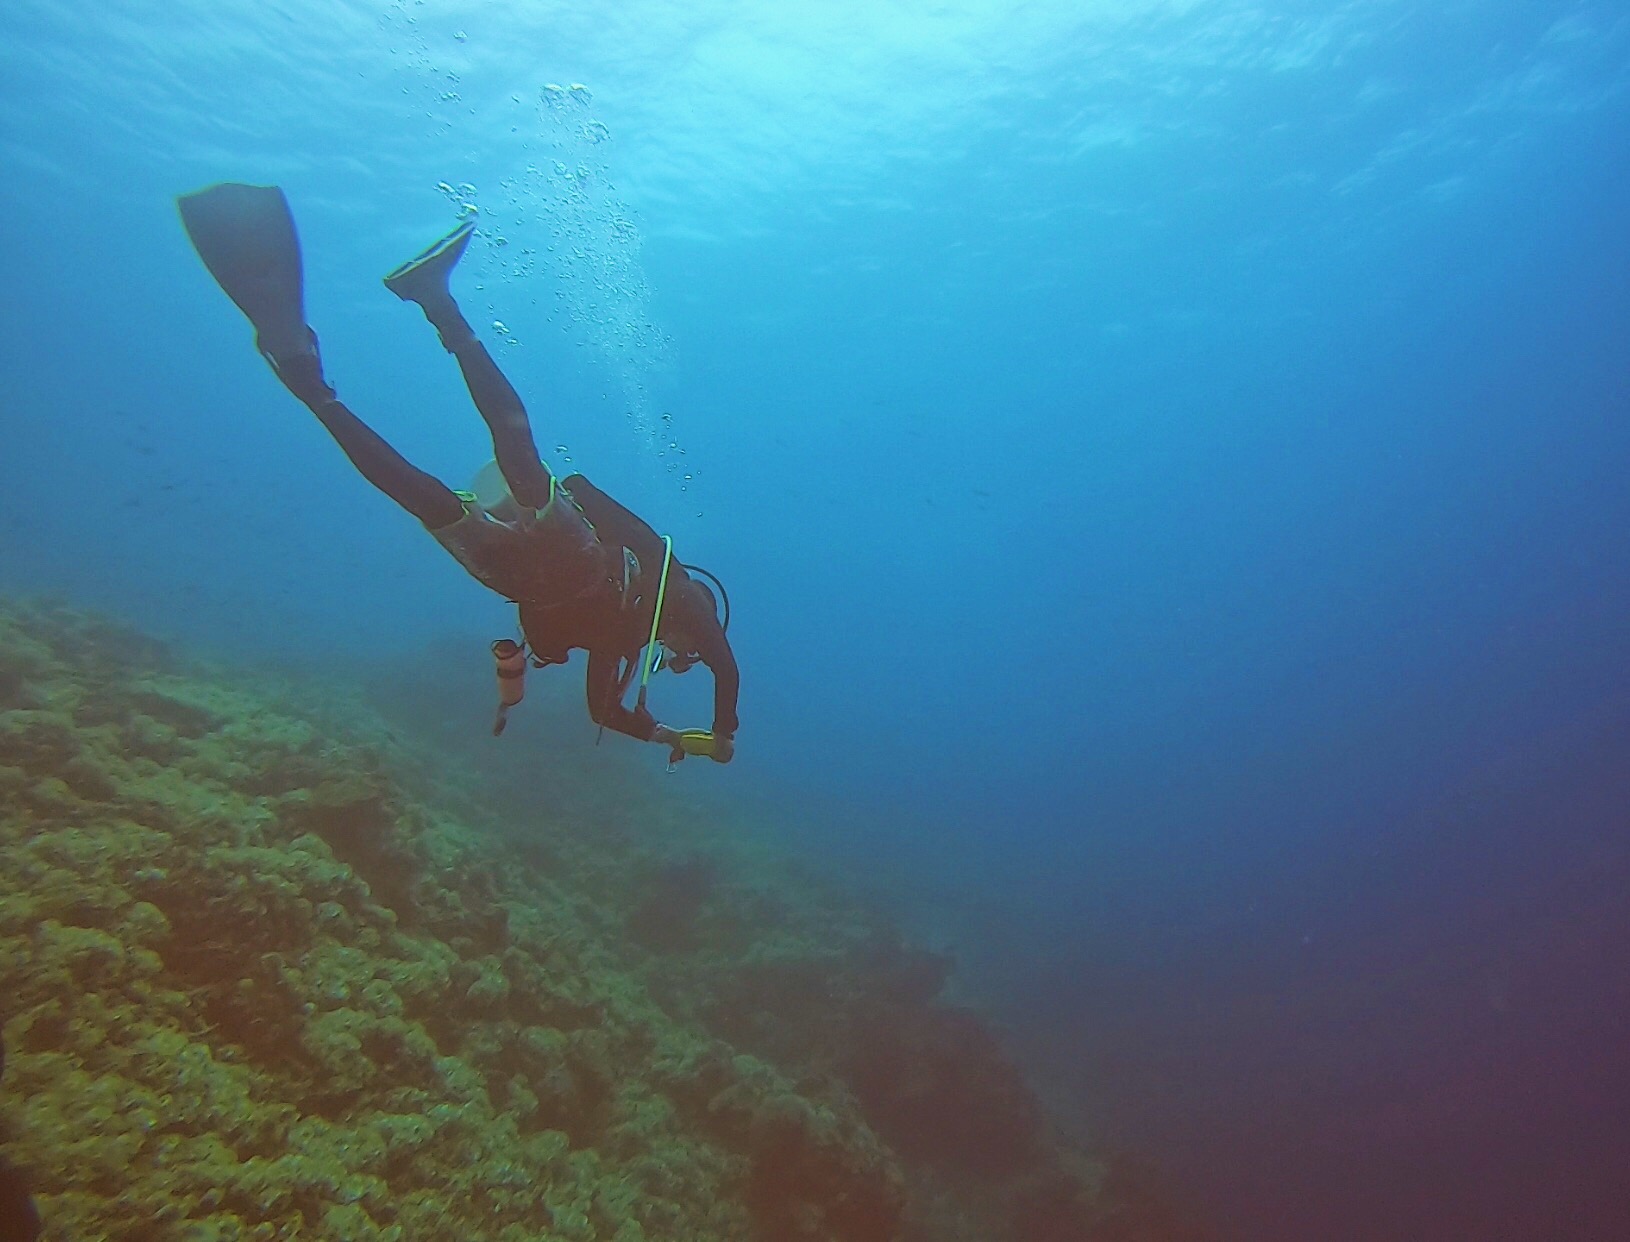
<point>424,496</point>
<point>422,280</point>
<point>505,416</point>
<point>246,237</point>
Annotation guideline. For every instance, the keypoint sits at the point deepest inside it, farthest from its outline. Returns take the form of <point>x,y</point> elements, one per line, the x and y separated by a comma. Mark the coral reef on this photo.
<point>270,971</point>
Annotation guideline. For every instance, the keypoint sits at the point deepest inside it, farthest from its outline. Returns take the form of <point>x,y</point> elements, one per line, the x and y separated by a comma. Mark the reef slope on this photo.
<point>270,971</point>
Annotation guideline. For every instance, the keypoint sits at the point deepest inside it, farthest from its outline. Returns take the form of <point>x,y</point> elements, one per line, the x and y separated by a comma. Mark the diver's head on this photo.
<point>690,612</point>
<point>699,600</point>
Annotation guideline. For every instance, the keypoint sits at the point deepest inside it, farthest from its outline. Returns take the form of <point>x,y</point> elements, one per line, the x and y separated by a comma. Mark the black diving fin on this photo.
<point>245,236</point>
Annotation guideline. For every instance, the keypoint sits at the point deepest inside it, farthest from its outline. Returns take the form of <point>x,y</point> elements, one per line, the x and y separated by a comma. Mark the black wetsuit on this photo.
<point>560,558</point>
<point>692,613</point>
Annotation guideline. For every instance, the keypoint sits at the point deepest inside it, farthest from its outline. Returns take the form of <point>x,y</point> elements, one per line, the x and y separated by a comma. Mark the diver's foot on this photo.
<point>302,371</point>
<point>423,278</point>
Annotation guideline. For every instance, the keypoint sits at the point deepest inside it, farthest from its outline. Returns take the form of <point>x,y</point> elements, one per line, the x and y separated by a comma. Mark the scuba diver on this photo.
<point>584,571</point>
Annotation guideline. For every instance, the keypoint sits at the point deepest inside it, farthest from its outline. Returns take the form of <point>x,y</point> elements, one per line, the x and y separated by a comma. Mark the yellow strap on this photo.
<point>656,616</point>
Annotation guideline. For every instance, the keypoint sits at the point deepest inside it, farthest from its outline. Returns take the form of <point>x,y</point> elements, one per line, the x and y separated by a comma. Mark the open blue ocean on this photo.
<point>1169,463</point>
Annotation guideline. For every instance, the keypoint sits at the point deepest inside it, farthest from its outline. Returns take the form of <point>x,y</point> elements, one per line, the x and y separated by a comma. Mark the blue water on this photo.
<point>1168,461</point>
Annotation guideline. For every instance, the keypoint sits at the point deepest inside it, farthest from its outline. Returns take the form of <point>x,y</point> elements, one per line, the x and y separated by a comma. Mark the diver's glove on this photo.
<point>724,747</point>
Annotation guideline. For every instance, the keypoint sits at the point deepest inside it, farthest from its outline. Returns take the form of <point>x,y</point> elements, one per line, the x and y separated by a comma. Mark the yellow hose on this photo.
<point>656,617</point>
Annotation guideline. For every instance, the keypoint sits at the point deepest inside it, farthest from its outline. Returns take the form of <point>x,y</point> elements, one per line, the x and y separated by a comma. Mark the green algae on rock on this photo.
<point>261,978</point>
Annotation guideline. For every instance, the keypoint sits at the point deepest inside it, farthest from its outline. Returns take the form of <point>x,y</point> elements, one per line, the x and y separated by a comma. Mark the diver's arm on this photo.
<point>605,704</point>
<point>721,662</point>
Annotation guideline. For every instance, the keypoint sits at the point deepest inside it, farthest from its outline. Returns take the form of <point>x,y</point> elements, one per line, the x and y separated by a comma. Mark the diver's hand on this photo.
<point>724,747</point>
<point>672,739</point>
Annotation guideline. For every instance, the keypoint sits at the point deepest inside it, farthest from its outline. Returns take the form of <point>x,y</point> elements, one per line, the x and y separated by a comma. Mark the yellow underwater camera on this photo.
<point>692,742</point>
